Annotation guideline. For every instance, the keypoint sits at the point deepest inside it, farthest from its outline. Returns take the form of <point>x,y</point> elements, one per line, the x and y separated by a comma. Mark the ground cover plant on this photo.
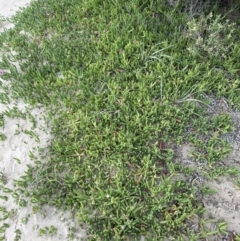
<point>123,83</point>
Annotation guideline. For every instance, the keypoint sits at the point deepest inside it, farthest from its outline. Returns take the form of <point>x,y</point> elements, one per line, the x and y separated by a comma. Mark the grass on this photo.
<point>121,88</point>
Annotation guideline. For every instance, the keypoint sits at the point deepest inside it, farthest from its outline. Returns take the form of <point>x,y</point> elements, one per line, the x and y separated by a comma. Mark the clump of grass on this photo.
<point>117,79</point>
<point>211,35</point>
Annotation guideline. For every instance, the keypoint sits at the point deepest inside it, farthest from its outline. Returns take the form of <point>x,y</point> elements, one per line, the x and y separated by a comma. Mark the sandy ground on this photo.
<point>224,205</point>
<point>14,157</point>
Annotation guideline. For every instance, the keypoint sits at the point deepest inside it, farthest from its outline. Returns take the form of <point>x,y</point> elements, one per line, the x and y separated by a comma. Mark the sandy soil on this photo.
<point>224,205</point>
<point>14,157</point>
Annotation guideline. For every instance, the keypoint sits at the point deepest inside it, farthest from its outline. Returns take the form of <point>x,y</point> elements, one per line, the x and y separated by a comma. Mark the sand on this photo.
<point>14,157</point>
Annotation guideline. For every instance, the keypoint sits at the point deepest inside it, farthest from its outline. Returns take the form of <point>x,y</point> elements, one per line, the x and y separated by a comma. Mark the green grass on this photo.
<point>121,87</point>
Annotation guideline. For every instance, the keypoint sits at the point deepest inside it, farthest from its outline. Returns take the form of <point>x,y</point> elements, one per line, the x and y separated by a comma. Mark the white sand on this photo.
<point>17,146</point>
